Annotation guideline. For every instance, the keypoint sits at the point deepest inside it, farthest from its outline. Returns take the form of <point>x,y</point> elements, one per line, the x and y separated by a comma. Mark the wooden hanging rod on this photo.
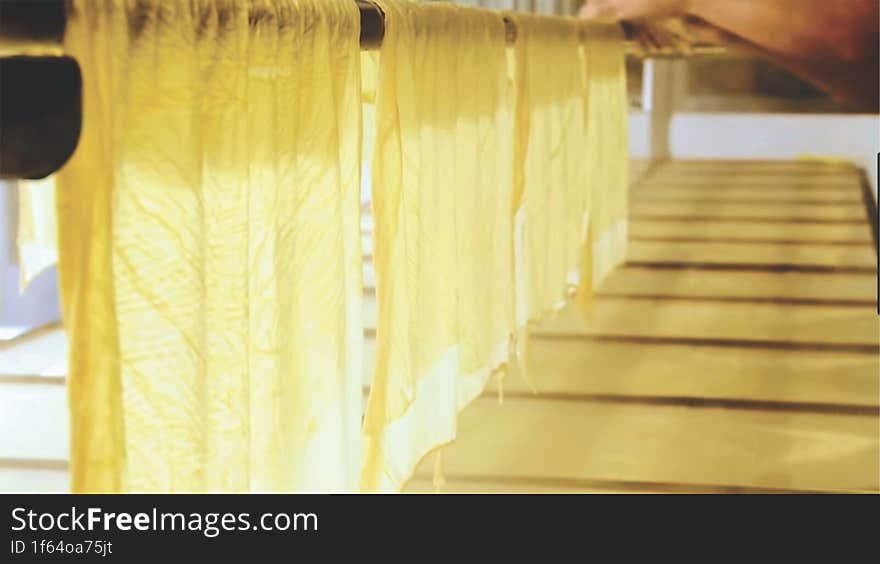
<point>41,90</point>
<point>373,32</point>
<point>373,26</point>
<point>44,21</point>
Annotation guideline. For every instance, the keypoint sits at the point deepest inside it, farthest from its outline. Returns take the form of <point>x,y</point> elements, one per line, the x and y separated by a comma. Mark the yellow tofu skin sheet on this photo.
<point>210,253</point>
<point>551,197</point>
<point>209,240</point>
<point>606,152</point>
<point>37,228</point>
<point>441,201</point>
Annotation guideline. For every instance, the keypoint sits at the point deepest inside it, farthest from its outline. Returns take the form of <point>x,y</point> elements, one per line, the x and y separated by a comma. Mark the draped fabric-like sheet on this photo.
<point>441,202</point>
<point>209,246</point>
<point>607,152</point>
<point>37,228</point>
<point>551,197</point>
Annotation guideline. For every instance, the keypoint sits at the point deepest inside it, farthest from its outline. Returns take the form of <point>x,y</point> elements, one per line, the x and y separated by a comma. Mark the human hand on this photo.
<point>616,10</point>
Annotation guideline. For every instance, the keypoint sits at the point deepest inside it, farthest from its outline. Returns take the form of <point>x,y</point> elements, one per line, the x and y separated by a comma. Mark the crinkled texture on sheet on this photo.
<point>441,199</point>
<point>607,154</point>
<point>210,254</point>
<point>37,228</point>
<point>551,195</point>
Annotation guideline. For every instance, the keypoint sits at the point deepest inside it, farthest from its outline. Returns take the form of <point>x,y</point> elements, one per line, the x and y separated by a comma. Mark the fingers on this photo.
<point>600,10</point>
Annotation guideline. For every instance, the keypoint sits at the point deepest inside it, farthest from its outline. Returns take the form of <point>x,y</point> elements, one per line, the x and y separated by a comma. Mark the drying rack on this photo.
<point>41,97</point>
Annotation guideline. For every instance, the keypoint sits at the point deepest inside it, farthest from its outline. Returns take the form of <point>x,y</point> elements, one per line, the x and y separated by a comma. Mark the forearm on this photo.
<point>818,30</point>
<point>837,79</point>
<point>834,48</point>
<point>831,43</point>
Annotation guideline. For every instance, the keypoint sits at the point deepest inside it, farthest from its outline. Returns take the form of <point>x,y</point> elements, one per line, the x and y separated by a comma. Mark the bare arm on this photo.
<point>833,44</point>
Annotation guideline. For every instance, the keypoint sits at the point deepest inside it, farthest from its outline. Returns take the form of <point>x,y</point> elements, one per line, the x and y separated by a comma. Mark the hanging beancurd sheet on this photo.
<point>551,197</point>
<point>37,230</point>
<point>441,203</point>
<point>210,256</point>
<point>607,151</point>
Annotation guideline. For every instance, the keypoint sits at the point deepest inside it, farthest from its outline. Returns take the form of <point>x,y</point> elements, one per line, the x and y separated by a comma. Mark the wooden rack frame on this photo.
<point>40,101</point>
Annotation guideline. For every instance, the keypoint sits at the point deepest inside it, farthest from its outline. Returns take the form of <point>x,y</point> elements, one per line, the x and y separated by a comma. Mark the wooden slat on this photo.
<point>774,231</point>
<point>48,425</point>
<point>24,480</point>
<point>758,197</point>
<point>370,312</point>
<point>738,167</point>
<point>542,485</point>
<point>856,288</point>
<point>794,171</point>
<point>492,485</point>
<point>574,441</point>
<point>33,422</point>
<point>795,380</point>
<point>22,335</point>
<point>766,182</point>
<point>42,353</point>
<point>777,174</point>
<point>369,359</point>
<point>479,484</point>
<point>766,325</point>
<point>737,171</point>
<point>758,285</point>
<point>842,328</point>
<point>576,368</point>
<point>369,275</point>
<point>763,323</point>
<point>745,253</point>
<point>747,210</point>
<point>726,165</point>
<point>12,332</point>
<point>773,193</point>
<point>639,166</point>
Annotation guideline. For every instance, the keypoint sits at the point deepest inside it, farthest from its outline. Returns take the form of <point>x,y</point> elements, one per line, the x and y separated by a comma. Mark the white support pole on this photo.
<point>664,87</point>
